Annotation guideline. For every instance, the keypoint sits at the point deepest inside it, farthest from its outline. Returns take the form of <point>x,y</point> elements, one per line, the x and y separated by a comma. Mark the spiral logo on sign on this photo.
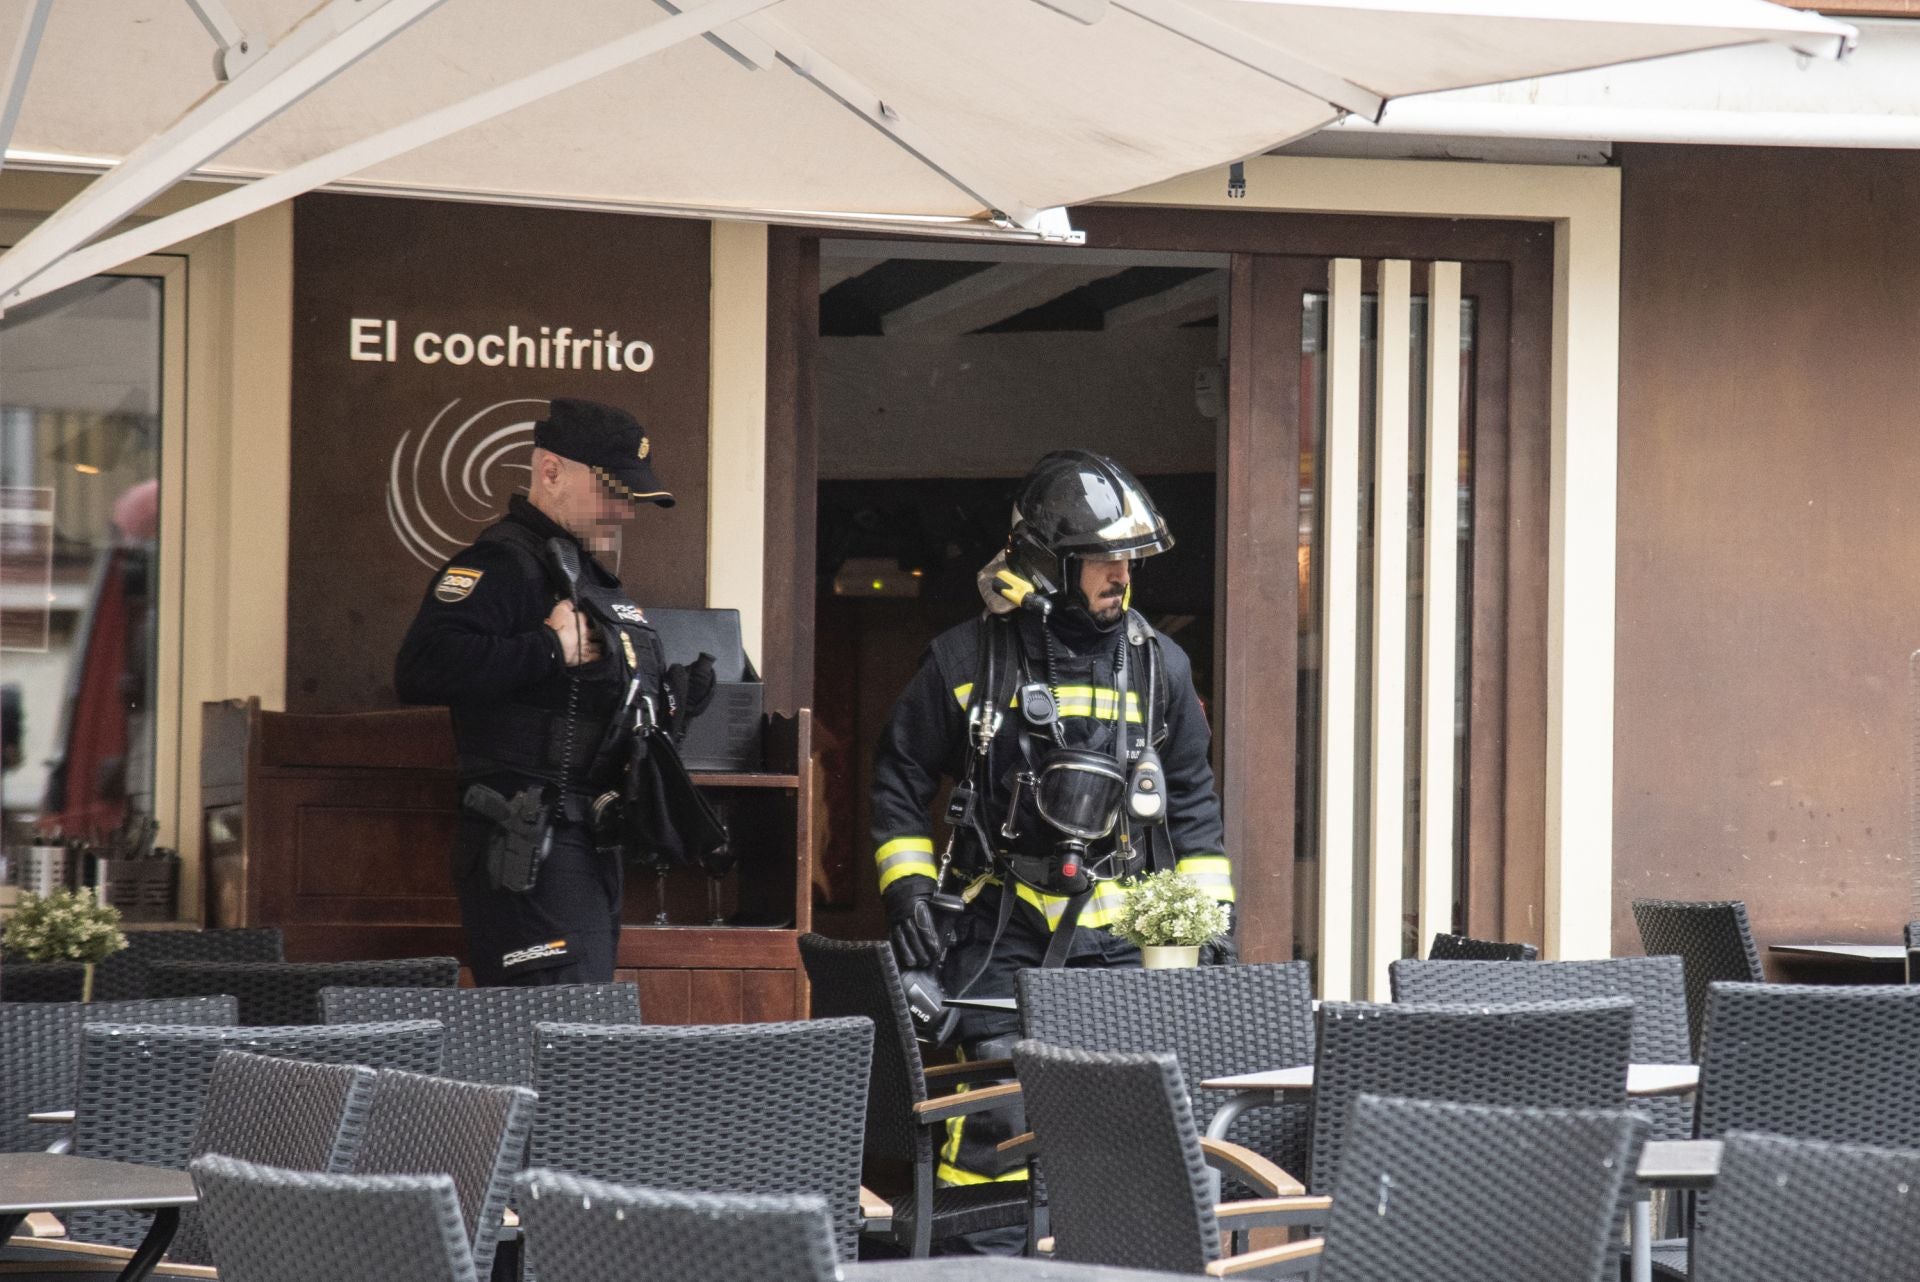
<point>448,481</point>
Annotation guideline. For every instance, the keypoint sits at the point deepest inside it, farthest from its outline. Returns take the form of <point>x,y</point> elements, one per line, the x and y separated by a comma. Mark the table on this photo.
<point>60,1183</point>
<point>984,1003</point>
<point>1879,953</point>
<point>985,1268</point>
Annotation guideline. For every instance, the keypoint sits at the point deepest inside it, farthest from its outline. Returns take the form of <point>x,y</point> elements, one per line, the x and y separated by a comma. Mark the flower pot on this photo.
<point>1169,956</point>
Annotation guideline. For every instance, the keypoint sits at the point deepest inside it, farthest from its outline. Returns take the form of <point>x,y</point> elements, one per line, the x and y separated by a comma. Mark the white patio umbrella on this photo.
<point>981,117</point>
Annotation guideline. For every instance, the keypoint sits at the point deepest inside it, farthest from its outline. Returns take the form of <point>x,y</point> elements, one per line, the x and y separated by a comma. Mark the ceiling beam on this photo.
<point>1190,300</point>
<point>13,90</point>
<point>984,298</point>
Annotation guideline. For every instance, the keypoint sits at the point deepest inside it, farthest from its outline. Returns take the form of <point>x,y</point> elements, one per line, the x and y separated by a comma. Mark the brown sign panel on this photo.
<point>427,339</point>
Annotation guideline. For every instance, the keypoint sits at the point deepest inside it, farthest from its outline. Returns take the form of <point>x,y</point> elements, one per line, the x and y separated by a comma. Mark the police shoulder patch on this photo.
<point>457,584</point>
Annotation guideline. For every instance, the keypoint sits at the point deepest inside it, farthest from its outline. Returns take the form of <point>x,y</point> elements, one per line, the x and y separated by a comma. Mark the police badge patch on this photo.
<point>628,613</point>
<point>457,584</point>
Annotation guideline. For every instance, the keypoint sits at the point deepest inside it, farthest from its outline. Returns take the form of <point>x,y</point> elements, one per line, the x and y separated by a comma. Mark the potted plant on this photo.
<point>70,925</point>
<point>1168,916</point>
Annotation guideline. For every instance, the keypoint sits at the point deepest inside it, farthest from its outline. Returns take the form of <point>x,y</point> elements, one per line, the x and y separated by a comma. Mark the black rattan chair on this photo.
<point>1562,1055</point>
<point>489,1031</point>
<point>1447,947</point>
<point>590,1231</point>
<point>40,1055</point>
<point>1913,952</point>
<point>1127,1177</point>
<point>24,981</point>
<point>904,1125</point>
<point>1656,985</point>
<point>1813,1062</point>
<point>1461,1192</point>
<point>1711,938</point>
<point>475,1132</point>
<point>727,1108</point>
<point>125,975</point>
<point>270,1225</point>
<point>1784,1208</point>
<point>279,994</point>
<point>143,1087</point>
<point>1217,1020</point>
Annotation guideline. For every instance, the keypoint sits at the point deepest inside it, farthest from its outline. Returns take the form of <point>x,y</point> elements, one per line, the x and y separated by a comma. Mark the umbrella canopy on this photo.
<point>980,116</point>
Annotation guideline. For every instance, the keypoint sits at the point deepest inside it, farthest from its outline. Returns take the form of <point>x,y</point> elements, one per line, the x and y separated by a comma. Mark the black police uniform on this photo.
<point>927,738</point>
<point>523,720</point>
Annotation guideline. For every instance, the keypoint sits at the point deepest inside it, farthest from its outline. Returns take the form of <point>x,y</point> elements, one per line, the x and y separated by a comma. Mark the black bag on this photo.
<point>668,822</point>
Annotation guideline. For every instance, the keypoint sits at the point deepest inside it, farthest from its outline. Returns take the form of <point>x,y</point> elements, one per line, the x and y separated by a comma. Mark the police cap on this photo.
<point>606,439</point>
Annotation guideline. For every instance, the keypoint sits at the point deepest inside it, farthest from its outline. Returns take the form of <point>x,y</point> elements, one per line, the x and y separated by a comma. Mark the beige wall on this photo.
<point>1769,581</point>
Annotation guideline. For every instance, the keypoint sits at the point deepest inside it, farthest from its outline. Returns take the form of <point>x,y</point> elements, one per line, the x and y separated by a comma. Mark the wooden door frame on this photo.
<point>1257,537</point>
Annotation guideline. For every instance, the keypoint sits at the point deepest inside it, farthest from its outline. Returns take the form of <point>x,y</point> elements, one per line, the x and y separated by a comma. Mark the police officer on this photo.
<point>546,666</point>
<point>1080,755</point>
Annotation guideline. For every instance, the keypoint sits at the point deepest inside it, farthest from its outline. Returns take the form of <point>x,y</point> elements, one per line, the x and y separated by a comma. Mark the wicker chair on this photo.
<point>40,1055</point>
<point>1656,985</point>
<point>142,1089</point>
<point>773,1108</point>
<point>24,981</point>
<point>1127,1177</point>
<point>346,1226</point>
<point>1462,1192</point>
<point>489,1031</point>
<point>1216,1020</point>
<point>1913,952</point>
<point>1813,1062</point>
<point>1447,947</point>
<point>1712,939</point>
<point>1784,1208</point>
<point>589,1231</point>
<point>1526,1055</point>
<point>860,978</point>
<point>475,1132</point>
<point>125,975</point>
<point>280,994</point>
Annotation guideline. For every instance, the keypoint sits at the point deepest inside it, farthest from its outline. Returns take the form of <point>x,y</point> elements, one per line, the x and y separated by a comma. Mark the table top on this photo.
<point>983,1003</point>
<point>59,1182</point>
<point>1643,1080</point>
<point>967,1268</point>
<point>1679,1164</point>
<point>1844,952</point>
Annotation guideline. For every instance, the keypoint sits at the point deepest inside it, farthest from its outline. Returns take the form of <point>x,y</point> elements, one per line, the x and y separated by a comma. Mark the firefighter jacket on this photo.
<point>927,739</point>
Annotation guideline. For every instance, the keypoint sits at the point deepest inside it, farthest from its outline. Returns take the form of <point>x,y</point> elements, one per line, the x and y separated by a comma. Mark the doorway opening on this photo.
<point>945,372</point>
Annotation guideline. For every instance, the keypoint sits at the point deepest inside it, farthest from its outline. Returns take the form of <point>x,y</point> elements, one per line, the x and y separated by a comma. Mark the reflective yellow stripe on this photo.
<point>1099,910</point>
<point>1097,702</point>
<point>1105,904</point>
<point>963,693</point>
<point>947,1173</point>
<point>905,857</point>
<point>1214,873</point>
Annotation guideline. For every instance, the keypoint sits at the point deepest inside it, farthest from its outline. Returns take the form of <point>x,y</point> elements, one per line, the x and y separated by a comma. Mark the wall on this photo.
<point>1769,550</point>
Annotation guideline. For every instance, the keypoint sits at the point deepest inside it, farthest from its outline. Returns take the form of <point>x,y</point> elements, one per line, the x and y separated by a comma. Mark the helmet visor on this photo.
<point>1130,527</point>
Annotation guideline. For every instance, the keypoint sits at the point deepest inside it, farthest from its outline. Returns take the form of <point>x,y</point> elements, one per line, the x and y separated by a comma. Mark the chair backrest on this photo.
<point>1785,1208</point>
<point>1711,938</point>
<point>24,981</point>
<point>292,1114</point>
<point>1447,947</point>
<point>1913,952</point>
<point>1126,1183</point>
<point>1523,1055</point>
<point>858,978</point>
<point>1461,1192</point>
<point>475,1132</point>
<point>270,1225</point>
<point>279,994</point>
<point>489,1034</point>
<point>142,1088</point>
<point>722,1108</point>
<point>1657,986</point>
<point>125,975</point>
<point>590,1231</point>
<point>1813,1062</point>
<point>1216,1020</point>
<point>40,1054</point>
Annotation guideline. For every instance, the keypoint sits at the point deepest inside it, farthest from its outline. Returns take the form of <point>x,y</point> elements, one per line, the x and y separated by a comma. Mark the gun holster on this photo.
<point>519,837</point>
